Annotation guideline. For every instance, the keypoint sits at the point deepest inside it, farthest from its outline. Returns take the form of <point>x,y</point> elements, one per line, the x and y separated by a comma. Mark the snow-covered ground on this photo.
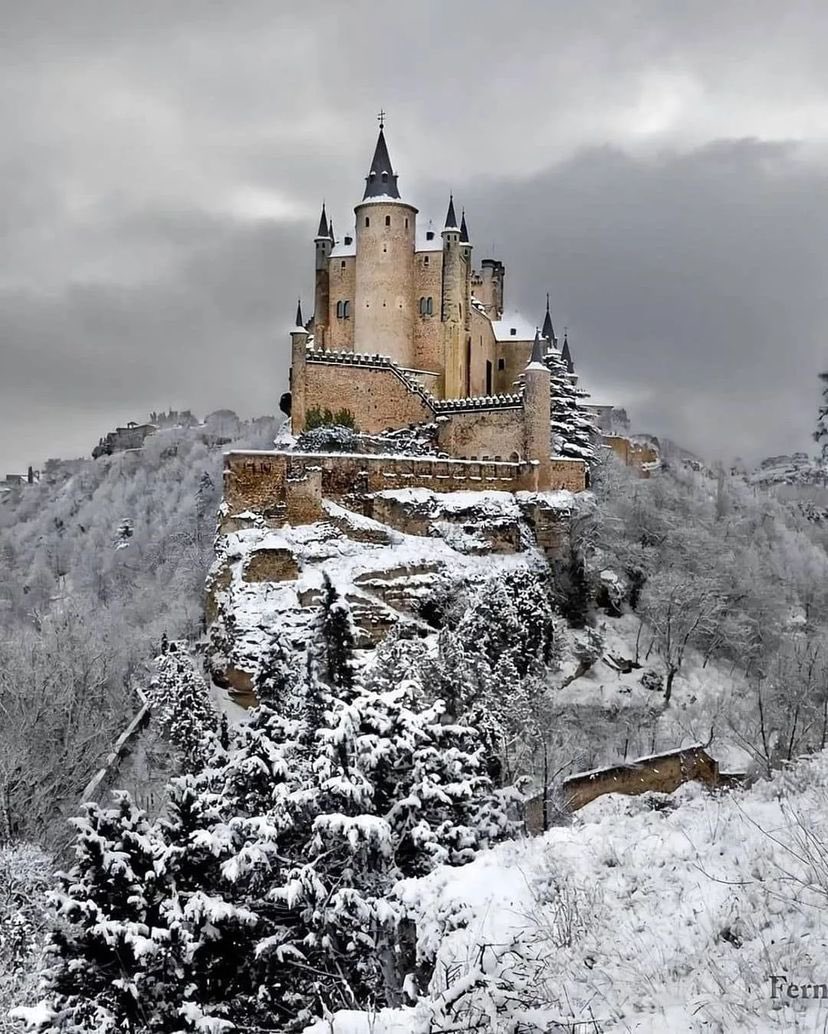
<point>650,915</point>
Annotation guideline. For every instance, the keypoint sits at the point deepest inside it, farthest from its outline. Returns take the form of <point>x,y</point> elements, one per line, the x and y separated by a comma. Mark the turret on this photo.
<point>566,355</point>
<point>298,348</point>
<point>386,226</point>
<point>454,310</point>
<point>536,405</point>
<point>323,243</point>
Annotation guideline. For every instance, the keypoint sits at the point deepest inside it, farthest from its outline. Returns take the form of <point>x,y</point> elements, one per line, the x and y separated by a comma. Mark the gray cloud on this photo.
<point>659,168</point>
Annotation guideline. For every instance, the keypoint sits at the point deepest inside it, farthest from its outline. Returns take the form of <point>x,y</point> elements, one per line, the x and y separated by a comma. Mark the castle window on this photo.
<point>406,224</point>
<point>513,331</point>
<point>343,263</point>
<point>367,221</point>
<point>339,308</point>
<point>346,309</point>
<point>388,220</point>
<point>501,364</point>
<point>430,306</point>
<point>422,306</point>
<point>425,261</point>
<point>460,307</point>
<point>385,177</point>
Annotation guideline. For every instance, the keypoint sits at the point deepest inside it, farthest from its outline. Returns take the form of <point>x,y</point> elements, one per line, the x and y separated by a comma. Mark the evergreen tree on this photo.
<point>337,638</point>
<point>275,679</point>
<point>183,707</point>
<point>573,430</point>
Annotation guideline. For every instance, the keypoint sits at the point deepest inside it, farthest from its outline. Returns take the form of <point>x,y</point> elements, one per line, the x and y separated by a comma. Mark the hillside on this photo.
<point>99,560</point>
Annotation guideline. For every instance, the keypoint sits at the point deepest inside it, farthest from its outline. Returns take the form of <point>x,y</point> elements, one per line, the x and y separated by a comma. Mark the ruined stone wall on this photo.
<point>254,481</point>
<point>567,474</point>
<point>342,288</point>
<point>632,454</point>
<point>377,398</point>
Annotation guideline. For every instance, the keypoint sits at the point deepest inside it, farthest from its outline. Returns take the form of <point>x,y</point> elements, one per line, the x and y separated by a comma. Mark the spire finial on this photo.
<point>548,331</point>
<point>381,117</point>
<point>299,321</point>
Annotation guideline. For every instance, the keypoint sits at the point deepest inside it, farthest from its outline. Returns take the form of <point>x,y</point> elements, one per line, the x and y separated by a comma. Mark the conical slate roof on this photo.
<point>464,231</point>
<point>323,224</point>
<point>548,330</point>
<point>566,355</point>
<point>537,351</point>
<point>299,321</point>
<point>381,180</point>
<point>451,218</point>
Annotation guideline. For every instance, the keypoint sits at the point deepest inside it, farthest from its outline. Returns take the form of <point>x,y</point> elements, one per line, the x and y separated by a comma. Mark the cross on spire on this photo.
<point>381,117</point>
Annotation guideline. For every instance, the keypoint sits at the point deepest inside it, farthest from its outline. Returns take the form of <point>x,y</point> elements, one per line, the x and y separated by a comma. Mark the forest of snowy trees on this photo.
<point>267,893</point>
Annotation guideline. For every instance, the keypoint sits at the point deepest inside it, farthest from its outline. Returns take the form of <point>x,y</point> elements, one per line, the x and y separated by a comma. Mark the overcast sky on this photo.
<point>661,169</point>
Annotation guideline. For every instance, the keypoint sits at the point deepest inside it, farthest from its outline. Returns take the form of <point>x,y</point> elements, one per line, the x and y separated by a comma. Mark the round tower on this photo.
<point>384,317</point>
<point>323,244</point>
<point>536,422</point>
<point>454,306</point>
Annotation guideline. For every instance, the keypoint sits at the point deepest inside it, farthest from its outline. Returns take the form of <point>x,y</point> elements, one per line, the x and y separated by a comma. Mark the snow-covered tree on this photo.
<point>573,430</point>
<point>183,707</point>
<point>337,638</point>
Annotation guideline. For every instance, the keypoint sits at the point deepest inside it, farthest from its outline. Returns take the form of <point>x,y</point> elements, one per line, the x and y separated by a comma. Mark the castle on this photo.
<point>407,331</point>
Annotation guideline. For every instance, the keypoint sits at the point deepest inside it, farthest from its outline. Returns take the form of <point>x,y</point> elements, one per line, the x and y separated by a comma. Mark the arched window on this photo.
<point>346,309</point>
<point>339,310</point>
<point>406,224</point>
<point>422,306</point>
<point>430,306</point>
<point>388,220</point>
<point>425,261</point>
<point>385,177</point>
<point>367,221</point>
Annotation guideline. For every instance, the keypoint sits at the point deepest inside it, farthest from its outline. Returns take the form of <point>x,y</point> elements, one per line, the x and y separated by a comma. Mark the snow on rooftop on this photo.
<point>422,244</point>
<point>513,327</point>
<point>343,250</point>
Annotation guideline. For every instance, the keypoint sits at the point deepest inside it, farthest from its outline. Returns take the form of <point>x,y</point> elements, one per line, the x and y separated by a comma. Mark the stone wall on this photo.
<point>375,395</point>
<point>291,486</point>
<point>478,433</point>
<point>634,454</point>
<point>428,283</point>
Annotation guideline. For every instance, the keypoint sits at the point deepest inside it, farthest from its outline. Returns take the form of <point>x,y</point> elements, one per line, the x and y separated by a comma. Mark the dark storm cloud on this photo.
<point>659,168</point>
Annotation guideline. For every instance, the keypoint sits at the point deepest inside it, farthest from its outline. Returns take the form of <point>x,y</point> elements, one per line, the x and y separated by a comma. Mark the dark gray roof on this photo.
<point>323,224</point>
<point>464,232</point>
<point>451,218</point>
<point>381,179</point>
<point>299,321</point>
<point>548,330</point>
<point>566,355</point>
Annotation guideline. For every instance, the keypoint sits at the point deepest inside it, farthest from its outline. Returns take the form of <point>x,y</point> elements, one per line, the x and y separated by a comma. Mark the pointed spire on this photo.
<point>323,224</point>
<point>300,323</point>
<point>381,180</point>
<point>330,231</point>
<point>537,351</point>
<point>451,218</point>
<point>566,355</point>
<point>548,331</point>
<point>464,231</point>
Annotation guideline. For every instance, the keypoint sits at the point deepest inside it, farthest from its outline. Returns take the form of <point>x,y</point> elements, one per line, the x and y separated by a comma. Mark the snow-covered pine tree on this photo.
<point>182,705</point>
<point>821,432</point>
<point>275,680</point>
<point>573,430</point>
<point>111,953</point>
<point>337,638</point>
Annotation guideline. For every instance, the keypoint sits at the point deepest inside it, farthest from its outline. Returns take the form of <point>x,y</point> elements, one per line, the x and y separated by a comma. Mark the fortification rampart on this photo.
<point>291,486</point>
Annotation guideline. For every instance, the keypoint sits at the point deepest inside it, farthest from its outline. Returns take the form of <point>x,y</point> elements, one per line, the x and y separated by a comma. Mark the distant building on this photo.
<point>132,436</point>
